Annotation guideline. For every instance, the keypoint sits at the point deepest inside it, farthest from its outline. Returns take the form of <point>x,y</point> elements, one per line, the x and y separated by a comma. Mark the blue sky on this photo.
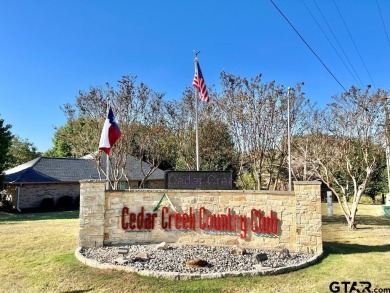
<point>50,50</point>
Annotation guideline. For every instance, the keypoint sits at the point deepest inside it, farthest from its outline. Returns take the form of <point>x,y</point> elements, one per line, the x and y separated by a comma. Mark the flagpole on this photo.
<point>196,117</point>
<point>110,134</point>
<point>107,155</point>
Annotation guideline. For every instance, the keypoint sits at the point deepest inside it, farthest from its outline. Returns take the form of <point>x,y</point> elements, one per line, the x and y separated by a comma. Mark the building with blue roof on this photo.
<point>28,185</point>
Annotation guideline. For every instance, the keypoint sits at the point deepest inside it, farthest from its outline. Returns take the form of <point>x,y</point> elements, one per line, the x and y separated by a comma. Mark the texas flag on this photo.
<point>110,133</point>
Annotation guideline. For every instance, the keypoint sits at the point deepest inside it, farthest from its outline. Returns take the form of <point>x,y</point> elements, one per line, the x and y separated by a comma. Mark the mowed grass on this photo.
<point>37,255</point>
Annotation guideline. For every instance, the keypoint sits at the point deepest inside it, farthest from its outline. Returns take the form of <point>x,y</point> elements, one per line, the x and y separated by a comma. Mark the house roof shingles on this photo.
<point>50,170</point>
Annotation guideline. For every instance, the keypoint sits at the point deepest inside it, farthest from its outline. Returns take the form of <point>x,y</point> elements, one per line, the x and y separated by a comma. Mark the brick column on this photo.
<point>308,216</point>
<point>92,206</point>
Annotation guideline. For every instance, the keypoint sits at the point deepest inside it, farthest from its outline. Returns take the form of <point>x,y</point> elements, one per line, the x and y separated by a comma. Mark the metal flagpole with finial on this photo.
<point>196,113</point>
<point>199,83</point>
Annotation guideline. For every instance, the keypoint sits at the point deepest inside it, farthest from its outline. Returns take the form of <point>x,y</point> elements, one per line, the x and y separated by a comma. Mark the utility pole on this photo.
<point>288,139</point>
<point>387,134</point>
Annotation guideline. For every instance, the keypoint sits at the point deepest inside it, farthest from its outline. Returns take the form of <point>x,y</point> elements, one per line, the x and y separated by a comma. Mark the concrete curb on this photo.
<point>187,276</point>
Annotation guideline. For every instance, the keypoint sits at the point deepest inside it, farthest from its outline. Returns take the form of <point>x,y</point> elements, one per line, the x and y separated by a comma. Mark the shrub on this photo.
<point>65,202</point>
<point>366,200</point>
<point>245,182</point>
<point>76,202</point>
<point>47,204</point>
<point>379,199</point>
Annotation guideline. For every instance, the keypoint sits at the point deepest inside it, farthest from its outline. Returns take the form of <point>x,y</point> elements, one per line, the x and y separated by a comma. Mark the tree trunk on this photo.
<point>259,178</point>
<point>351,221</point>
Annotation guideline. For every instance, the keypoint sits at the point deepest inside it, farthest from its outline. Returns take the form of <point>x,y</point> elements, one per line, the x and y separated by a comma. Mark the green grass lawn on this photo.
<point>37,255</point>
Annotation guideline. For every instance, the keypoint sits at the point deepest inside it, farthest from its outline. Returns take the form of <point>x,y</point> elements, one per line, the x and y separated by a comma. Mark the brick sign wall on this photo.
<point>258,219</point>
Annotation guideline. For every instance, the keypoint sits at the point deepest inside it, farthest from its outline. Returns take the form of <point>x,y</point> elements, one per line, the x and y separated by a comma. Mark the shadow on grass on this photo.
<point>19,217</point>
<point>349,248</point>
<point>360,220</point>
<point>78,291</point>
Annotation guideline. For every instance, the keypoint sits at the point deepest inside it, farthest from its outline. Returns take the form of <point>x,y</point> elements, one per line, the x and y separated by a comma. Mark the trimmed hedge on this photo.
<point>47,204</point>
<point>65,202</point>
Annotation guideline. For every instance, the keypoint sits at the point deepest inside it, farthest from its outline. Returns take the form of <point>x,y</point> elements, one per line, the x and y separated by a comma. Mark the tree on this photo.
<point>21,151</point>
<point>62,148</point>
<point>216,148</point>
<point>256,115</point>
<point>5,144</point>
<point>154,141</point>
<point>181,122</point>
<point>344,149</point>
<point>302,143</point>
<point>378,183</point>
<point>252,113</point>
<point>80,136</point>
<point>137,109</point>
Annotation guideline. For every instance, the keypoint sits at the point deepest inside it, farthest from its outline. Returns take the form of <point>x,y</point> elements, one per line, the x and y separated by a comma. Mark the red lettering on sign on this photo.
<point>164,224</point>
<point>125,212</point>
<point>259,223</point>
<point>186,220</point>
<point>178,219</point>
<point>243,226</point>
<point>262,224</point>
<point>137,221</point>
<point>202,224</point>
<point>192,220</point>
<point>140,219</point>
<point>133,220</point>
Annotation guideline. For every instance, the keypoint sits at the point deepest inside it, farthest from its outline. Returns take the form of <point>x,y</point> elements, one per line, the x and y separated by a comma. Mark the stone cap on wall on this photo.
<point>313,182</point>
<point>236,191</point>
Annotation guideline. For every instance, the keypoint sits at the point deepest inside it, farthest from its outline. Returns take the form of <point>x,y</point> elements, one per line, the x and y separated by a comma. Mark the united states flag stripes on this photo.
<point>199,83</point>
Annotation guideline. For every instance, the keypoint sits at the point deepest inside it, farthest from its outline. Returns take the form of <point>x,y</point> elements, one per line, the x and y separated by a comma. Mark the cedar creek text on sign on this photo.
<point>217,180</point>
<point>229,222</point>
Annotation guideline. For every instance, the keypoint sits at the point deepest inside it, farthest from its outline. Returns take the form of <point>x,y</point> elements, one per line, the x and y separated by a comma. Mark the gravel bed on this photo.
<point>175,257</point>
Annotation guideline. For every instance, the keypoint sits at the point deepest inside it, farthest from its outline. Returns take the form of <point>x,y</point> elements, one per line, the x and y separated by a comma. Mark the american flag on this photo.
<point>199,83</point>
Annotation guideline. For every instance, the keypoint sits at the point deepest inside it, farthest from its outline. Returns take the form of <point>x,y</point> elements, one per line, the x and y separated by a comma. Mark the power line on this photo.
<point>319,59</point>
<point>329,41</point>
<point>383,22</point>
<point>354,44</point>
<point>337,40</point>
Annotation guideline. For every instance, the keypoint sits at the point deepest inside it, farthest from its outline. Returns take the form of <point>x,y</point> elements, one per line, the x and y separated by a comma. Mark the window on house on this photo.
<point>123,185</point>
<point>144,185</point>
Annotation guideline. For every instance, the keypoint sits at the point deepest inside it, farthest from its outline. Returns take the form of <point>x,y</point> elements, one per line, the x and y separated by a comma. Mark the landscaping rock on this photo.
<point>238,251</point>
<point>141,256</point>
<point>195,263</point>
<point>121,261</point>
<point>260,257</point>
<point>219,259</point>
<point>162,246</point>
<point>123,250</point>
<point>285,253</point>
